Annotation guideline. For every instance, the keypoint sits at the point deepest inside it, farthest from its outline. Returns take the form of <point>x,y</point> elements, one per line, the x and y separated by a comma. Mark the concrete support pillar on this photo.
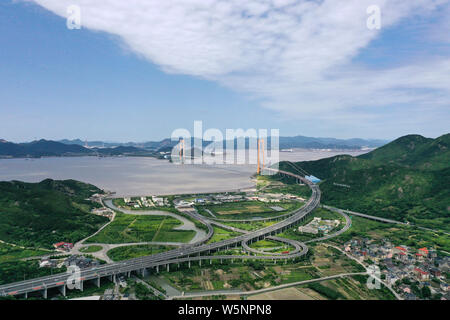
<point>143,272</point>
<point>44,292</point>
<point>97,282</point>
<point>167,267</point>
<point>200,263</point>
<point>62,289</point>
<point>129,274</point>
<point>189,264</point>
<point>210,261</point>
<point>157,269</point>
<point>81,285</point>
<point>26,295</point>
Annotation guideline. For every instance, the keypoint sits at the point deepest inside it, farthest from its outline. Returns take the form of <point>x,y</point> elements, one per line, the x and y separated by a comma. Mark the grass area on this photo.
<point>128,228</point>
<point>248,209</point>
<point>222,234</point>
<point>10,253</point>
<point>130,252</point>
<point>91,249</point>
<point>271,246</point>
<point>250,226</point>
<point>265,244</point>
<point>40,214</point>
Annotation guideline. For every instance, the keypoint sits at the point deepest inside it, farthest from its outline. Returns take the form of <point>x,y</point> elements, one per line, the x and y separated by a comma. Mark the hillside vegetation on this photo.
<point>40,214</point>
<point>407,180</point>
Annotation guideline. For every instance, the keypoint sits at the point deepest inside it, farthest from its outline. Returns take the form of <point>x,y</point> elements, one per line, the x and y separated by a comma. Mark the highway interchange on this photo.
<point>198,251</point>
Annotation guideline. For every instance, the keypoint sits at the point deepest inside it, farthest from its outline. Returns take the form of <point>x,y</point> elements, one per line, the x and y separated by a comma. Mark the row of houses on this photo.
<point>422,266</point>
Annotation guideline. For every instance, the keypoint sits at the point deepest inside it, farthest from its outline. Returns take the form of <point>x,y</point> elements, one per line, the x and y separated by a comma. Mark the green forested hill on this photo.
<point>40,214</point>
<point>407,179</point>
<point>414,151</point>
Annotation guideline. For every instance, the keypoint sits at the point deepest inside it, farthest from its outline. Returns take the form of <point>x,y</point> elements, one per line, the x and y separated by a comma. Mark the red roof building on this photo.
<point>59,244</point>
<point>423,275</point>
<point>65,245</point>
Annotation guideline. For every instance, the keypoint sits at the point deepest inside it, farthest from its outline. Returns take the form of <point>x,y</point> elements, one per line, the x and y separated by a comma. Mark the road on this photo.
<point>186,253</point>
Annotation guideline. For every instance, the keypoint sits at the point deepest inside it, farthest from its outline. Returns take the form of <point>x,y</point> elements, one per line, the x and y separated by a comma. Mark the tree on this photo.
<point>426,292</point>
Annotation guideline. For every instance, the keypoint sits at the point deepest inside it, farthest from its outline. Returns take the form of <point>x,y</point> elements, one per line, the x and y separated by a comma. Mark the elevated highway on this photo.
<point>188,253</point>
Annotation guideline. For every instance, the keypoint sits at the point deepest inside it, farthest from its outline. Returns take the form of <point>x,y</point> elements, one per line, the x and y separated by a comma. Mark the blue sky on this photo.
<point>138,79</point>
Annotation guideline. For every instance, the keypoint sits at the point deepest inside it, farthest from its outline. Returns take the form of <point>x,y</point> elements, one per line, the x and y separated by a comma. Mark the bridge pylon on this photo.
<point>182,151</point>
<point>261,156</point>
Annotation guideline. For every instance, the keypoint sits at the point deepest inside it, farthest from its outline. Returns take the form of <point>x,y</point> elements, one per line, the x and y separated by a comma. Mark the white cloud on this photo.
<point>294,55</point>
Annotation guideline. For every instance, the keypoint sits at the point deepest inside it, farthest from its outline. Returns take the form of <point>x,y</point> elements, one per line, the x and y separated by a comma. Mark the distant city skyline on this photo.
<point>305,67</point>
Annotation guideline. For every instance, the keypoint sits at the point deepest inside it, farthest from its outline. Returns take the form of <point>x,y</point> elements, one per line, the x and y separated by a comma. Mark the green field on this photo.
<point>128,228</point>
<point>249,226</point>
<point>271,246</point>
<point>222,234</point>
<point>91,249</point>
<point>129,252</point>
<point>10,253</point>
<point>248,209</point>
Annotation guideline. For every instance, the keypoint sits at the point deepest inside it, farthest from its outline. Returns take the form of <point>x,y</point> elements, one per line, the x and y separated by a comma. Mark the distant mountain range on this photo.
<point>407,179</point>
<point>284,143</point>
<point>77,147</point>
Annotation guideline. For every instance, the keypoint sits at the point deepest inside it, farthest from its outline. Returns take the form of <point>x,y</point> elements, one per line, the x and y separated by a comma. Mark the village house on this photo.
<point>63,246</point>
<point>421,274</point>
